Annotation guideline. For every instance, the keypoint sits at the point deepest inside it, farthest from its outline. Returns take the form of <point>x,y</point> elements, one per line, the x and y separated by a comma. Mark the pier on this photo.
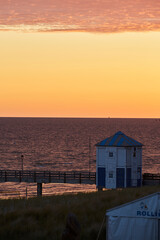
<point>39,177</point>
<point>71,177</point>
<point>151,179</point>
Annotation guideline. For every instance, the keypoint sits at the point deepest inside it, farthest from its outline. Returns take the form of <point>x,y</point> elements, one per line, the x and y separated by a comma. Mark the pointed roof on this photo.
<point>119,139</point>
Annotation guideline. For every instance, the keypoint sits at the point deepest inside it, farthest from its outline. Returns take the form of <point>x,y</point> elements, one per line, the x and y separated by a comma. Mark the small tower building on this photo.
<point>118,162</point>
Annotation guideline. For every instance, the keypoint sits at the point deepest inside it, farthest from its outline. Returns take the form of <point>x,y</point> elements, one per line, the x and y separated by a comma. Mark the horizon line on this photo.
<point>84,117</point>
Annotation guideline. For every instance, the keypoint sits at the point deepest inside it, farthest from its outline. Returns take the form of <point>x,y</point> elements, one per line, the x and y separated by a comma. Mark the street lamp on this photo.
<point>22,157</point>
<point>89,154</point>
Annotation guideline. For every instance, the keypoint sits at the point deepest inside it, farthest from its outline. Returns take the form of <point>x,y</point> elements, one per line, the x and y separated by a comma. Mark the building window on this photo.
<point>110,154</point>
<point>110,174</point>
<point>134,153</point>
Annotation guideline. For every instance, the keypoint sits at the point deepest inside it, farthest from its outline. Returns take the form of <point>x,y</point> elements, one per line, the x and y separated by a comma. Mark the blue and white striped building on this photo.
<point>119,162</point>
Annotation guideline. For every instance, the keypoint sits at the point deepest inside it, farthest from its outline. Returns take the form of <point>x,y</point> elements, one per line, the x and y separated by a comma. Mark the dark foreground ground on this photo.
<point>44,218</point>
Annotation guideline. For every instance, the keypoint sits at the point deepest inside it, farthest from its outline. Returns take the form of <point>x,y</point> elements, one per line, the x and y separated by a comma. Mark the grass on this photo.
<point>44,218</point>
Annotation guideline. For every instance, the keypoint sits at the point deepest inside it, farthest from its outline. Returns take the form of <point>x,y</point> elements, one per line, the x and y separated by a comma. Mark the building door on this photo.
<point>101,177</point>
<point>134,172</point>
<point>158,229</point>
<point>128,177</point>
<point>139,177</point>
<point>111,176</point>
<point>120,177</point>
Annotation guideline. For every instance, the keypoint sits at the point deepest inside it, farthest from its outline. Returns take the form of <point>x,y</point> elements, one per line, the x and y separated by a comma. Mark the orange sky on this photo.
<point>80,15</point>
<point>79,74</point>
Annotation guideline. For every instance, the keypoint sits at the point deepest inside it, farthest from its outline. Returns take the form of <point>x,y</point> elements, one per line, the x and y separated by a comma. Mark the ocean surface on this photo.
<point>65,144</point>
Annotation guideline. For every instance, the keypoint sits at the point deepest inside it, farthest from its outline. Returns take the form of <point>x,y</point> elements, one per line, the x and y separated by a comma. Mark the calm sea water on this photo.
<point>63,144</point>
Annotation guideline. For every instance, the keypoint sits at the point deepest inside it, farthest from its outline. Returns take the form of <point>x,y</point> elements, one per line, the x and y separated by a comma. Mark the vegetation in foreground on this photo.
<point>44,218</point>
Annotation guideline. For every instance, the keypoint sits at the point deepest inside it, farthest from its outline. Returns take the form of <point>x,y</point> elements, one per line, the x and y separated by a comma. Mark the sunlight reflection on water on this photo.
<point>63,145</point>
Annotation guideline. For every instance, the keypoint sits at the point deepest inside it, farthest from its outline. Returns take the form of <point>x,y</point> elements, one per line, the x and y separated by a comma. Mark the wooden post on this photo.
<point>5,176</point>
<point>22,162</point>
<point>100,188</point>
<point>64,177</point>
<point>39,189</point>
<point>34,176</point>
<point>20,176</point>
<point>49,177</point>
<point>80,178</point>
<point>26,194</point>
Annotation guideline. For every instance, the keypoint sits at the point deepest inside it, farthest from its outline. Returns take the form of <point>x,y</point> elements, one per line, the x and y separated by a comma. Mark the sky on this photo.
<point>80,58</point>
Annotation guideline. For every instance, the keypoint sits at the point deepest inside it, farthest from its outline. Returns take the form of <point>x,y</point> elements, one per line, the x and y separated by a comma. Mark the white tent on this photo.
<point>136,220</point>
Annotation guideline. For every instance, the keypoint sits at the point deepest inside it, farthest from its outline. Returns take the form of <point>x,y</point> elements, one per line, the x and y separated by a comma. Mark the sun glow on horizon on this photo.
<point>80,74</point>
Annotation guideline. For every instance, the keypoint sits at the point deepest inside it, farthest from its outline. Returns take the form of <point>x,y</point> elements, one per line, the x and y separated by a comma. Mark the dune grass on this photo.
<point>44,218</point>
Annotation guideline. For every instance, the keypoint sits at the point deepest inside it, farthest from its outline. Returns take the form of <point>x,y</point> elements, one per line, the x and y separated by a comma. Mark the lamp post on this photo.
<point>22,157</point>
<point>89,154</point>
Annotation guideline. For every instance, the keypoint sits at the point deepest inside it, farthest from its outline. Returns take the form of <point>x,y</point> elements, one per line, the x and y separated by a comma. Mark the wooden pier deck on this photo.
<point>39,177</point>
<point>71,177</point>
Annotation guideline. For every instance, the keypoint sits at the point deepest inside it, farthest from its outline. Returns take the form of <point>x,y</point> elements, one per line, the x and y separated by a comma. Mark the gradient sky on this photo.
<point>79,58</point>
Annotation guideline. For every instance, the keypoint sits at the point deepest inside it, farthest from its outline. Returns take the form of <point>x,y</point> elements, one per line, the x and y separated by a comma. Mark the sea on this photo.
<point>66,144</point>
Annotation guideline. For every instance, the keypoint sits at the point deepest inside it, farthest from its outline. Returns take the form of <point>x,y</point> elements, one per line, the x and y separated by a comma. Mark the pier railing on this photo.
<point>73,177</point>
<point>83,177</point>
<point>48,176</point>
<point>151,179</point>
<point>151,176</point>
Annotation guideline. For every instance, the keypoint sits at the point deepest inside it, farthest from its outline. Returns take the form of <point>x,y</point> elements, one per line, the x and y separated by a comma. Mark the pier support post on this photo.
<point>5,176</point>
<point>39,189</point>
<point>80,180</point>
<point>100,188</point>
